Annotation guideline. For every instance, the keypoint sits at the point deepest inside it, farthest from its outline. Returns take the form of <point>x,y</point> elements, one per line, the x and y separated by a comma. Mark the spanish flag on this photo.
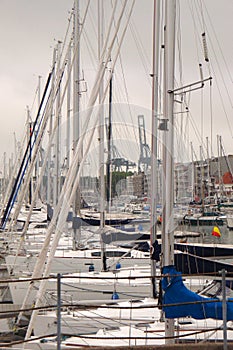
<point>216,232</point>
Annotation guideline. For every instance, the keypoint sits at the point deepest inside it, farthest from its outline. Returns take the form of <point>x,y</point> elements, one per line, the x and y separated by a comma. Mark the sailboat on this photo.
<point>172,278</point>
<point>167,228</point>
<point>204,217</point>
<point>70,340</point>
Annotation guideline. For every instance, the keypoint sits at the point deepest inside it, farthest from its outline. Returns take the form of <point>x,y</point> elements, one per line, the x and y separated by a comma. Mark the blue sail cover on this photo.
<point>175,292</point>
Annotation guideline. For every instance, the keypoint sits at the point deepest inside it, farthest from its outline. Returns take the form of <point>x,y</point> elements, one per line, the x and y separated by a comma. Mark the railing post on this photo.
<point>58,311</point>
<point>224,309</point>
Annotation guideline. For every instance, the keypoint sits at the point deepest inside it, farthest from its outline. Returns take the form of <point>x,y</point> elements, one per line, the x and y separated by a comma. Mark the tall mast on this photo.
<point>68,111</point>
<point>76,74</point>
<point>208,166</point>
<point>4,178</point>
<point>202,165</point>
<point>50,196</point>
<point>57,177</point>
<point>219,140</point>
<point>29,123</point>
<point>168,147</point>
<point>76,110</point>
<point>193,182</point>
<point>154,152</point>
<point>109,140</point>
<point>38,99</point>
<point>101,136</point>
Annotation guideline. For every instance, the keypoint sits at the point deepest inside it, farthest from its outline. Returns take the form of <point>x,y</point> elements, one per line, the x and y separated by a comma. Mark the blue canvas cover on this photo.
<point>175,292</point>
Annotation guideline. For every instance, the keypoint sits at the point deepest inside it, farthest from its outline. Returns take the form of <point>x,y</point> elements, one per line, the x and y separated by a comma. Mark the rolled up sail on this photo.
<point>179,301</point>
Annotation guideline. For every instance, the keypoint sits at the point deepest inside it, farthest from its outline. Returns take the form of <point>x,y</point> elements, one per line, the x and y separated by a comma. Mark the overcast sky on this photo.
<point>29,30</point>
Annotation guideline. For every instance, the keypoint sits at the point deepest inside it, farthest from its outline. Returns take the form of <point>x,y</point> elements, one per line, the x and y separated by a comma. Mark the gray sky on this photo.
<point>29,30</point>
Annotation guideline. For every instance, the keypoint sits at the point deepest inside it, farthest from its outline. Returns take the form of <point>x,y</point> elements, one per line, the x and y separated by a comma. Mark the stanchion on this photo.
<point>58,311</point>
<point>224,309</point>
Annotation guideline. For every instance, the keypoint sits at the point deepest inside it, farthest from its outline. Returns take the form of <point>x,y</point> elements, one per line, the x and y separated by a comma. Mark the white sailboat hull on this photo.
<point>90,321</point>
<point>69,261</point>
<point>89,286</point>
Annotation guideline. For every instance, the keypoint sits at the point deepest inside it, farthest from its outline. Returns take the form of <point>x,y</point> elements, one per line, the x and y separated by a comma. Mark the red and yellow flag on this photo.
<point>216,232</point>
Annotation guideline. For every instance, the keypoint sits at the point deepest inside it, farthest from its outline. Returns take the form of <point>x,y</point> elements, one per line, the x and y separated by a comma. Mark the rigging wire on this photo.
<point>211,118</point>
<point>124,79</point>
<point>180,123</point>
<point>31,163</point>
<point>67,32</point>
<point>220,48</point>
<point>195,8</point>
<point>220,71</point>
<point>71,184</point>
<point>141,49</point>
<point>205,49</point>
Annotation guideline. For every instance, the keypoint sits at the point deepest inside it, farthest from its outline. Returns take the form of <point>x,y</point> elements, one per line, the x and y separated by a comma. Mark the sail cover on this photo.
<point>179,301</point>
